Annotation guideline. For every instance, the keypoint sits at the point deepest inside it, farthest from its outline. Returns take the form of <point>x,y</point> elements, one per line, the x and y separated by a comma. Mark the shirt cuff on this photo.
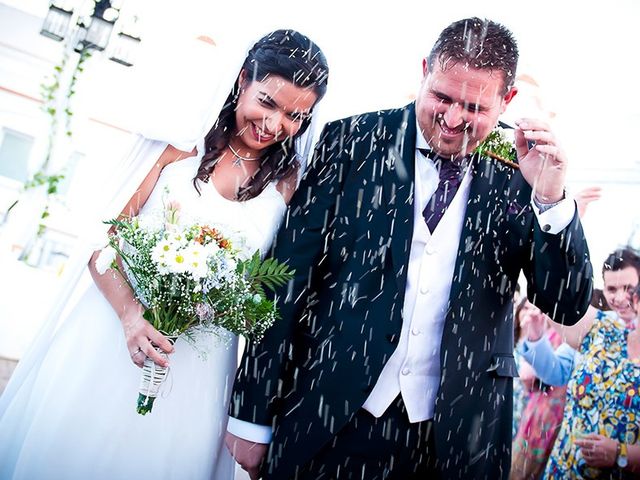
<point>249,431</point>
<point>556,218</point>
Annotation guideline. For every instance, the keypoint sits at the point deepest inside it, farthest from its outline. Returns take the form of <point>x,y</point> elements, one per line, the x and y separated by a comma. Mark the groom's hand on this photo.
<point>543,164</point>
<point>248,454</point>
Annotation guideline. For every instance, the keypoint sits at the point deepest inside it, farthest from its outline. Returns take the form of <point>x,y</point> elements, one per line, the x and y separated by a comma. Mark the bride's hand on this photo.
<point>141,337</point>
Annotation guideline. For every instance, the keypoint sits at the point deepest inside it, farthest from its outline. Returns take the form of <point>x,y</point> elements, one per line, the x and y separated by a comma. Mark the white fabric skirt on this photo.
<point>75,416</point>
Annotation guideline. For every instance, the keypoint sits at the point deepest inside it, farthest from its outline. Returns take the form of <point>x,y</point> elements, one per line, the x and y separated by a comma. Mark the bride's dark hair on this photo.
<point>284,53</point>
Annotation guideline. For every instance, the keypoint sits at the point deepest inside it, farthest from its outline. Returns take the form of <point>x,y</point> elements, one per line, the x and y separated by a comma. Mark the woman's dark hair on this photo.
<point>284,53</point>
<point>599,301</point>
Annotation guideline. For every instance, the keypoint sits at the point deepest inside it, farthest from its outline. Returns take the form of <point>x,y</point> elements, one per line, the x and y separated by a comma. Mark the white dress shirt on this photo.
<point>414,368</point>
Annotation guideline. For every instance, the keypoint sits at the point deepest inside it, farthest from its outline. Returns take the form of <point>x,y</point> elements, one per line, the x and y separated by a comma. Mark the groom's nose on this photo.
<point>453,115</point>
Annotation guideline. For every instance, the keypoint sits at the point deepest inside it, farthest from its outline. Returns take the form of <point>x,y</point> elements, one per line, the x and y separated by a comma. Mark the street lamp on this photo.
<point>92,33</point>
<point>83,31</point>
<point>56,23</point>
<point>98,30</point>
<point>124,46</point>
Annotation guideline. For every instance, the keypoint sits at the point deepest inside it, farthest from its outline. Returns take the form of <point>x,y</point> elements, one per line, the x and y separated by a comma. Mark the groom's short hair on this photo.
<point>479,43</point>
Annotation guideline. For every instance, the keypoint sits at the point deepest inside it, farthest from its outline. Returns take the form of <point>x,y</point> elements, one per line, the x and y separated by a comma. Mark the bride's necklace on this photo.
<point>239,158</point>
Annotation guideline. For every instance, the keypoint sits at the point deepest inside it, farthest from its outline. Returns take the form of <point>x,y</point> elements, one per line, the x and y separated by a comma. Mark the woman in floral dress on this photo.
<point>603,407</point>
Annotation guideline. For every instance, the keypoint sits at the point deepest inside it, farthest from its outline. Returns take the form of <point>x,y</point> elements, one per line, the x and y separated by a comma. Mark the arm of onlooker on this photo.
<point>527,375</point>
<point>602,452</point>
<point>633,454</point>
<point>552,367</point>
<point>585,196</point>
<point>574,334</point>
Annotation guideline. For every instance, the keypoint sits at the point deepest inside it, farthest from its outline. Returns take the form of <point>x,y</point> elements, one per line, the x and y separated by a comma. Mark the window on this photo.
<point>15,150</point>
<point>69,170</point>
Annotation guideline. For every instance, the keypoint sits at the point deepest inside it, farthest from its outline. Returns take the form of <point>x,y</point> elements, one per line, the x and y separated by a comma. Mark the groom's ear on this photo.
<point>507,97</point>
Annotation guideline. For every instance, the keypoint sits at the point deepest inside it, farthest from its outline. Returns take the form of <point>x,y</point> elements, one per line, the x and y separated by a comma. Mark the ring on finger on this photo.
<point>139,350</point>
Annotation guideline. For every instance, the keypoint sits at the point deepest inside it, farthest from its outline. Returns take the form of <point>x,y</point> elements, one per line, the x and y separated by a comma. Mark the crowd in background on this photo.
<point>576,401</point>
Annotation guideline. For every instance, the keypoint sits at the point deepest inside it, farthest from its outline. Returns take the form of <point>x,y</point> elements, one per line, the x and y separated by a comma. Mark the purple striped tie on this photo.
<point>450,179</point>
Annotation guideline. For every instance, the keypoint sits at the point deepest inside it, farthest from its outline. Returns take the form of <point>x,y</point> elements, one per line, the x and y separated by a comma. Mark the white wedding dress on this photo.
<point>78,420</point>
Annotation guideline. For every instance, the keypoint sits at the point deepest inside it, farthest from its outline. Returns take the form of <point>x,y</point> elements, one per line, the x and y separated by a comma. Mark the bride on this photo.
<point>69,410</point>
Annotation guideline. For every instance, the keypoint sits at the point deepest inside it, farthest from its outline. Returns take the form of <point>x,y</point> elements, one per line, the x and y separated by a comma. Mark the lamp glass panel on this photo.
<point>56,23</point>
<point>98,33</point>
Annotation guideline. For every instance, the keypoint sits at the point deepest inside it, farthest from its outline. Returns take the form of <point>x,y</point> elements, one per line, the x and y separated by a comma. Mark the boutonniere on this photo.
<point>500,145</point>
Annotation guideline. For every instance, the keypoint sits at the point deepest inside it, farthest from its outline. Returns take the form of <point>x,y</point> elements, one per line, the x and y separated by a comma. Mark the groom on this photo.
<point>393,358</point>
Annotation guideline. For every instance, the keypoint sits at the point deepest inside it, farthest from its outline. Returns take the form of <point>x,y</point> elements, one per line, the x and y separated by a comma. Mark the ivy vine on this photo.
<point>60,116</point>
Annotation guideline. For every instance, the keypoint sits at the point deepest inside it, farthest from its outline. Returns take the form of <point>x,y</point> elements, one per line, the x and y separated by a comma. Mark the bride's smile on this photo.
<point>270,111</point>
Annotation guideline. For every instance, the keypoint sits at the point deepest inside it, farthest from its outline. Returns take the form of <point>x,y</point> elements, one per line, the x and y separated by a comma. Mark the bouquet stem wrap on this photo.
<point>153,376</point>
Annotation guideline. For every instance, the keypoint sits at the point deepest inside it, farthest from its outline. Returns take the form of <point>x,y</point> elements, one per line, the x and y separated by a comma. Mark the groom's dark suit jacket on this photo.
<point>347,234</point>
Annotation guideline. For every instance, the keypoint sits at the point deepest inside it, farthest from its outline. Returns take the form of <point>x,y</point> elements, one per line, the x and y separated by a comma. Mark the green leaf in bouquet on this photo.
<point>270,273</point>
<point>119,224</point>
<point>250,267</point>
<point>259,316</point>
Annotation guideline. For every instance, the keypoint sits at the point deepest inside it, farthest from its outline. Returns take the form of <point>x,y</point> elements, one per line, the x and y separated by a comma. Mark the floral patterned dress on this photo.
<point>602,397</point>
<point>539,425</point>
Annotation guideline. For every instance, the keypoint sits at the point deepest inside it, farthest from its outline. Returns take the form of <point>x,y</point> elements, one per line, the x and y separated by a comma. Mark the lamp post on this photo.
<point>84,30</point>
<point>94,32</point>
<point>95,26</point>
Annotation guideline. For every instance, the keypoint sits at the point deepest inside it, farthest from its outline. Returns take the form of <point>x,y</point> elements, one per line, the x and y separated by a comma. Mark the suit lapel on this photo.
<point>475,223</point>
<point>398,189</point>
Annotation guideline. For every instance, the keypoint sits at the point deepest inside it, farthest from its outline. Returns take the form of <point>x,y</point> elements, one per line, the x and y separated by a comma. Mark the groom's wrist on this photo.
<point>545,202</point>
<point>249,431</point>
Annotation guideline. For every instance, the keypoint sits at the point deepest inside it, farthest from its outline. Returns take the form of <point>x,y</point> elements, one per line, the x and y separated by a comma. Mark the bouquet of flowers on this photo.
<point>190,277</point>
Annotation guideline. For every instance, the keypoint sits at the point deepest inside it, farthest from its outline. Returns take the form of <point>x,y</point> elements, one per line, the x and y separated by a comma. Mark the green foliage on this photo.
<point>496,143</point>
<point>145,403</point>
<point>40,178</point>
<point>268,272</point>
<point>50,98</point>
<point>52,182</point>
